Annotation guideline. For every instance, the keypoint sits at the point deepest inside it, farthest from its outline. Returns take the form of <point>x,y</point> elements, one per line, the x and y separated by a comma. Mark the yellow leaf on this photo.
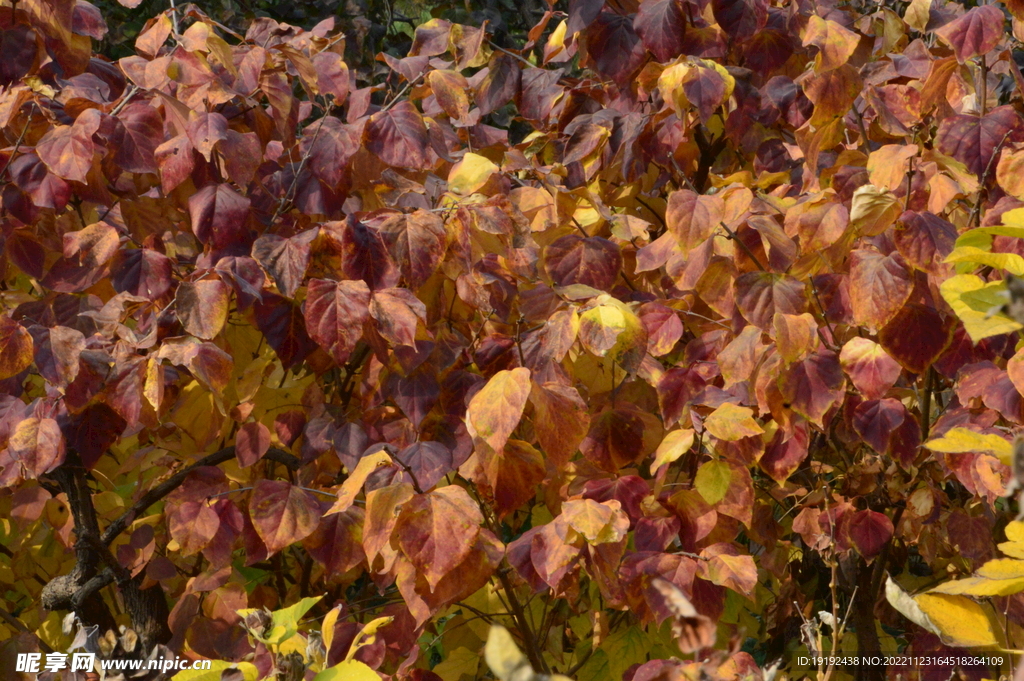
<point>1002,568</point>
<point>1013,548</point>
<point>732,422</point>
<point>974,301</point>
<point>248,669</point>
<point>327,630</point>
<point>873,209</point>
<point>675,444</point>
<point>598,522</point>
<point>495,411</point>
<point>367,635</point>
<point>961,621</point>
<point>974,257</point>
<point>350,670</point>
<point>1015,531</point>
<point>835,43</point>
<point>610,328</point>
<point>502,654</point>
<point>470,174</point>
<point>962,441</point>
<point>458,663</point>
<point>355,481</point>
<point>980,587</point>
<point>906,605</point>
<point>887,166</point>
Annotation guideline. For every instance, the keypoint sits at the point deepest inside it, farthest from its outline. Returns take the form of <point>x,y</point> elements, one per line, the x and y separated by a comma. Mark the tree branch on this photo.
<point>172,483</point>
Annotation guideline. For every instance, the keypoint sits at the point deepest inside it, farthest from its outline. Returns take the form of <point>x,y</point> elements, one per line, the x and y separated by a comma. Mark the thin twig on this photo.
<point>16,623</point>
<point>512,54</point>
<point>982,190</point>
<point>743,245</point>
<point>398,95</point>
<point>17,145</point>
<point>124,100</point>
<point>163,489</point>
<point>287,198</point>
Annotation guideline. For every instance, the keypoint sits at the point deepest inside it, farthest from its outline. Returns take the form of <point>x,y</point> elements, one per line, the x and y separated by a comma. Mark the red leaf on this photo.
<point>57,350</point>
<point>282,513</point>
<point>218,215</point>
<point>614,47</point>
<point>924,240</point>
<point>399,137</point>
<point>876,420</point>
<point>282,324</point>
<point>975,33</point>
<point>363,253</point>
<point>617,438</point>
<point>917,336</point>
<point>67,151</point>
<point>335,312</point>
<point>784,455</point>
<point>193,524</point>
<point>592,261</point>
<point>285,259</point>
<point>141,272</point>
<point>741,19</point>
<point>813,385</point>
<point>870,368</point>
<point>759,295</point>
<point>500,85</point>
<point>141,129</point>
<point>330,144</point>
<point>428,462</point>
<point>417,243</point>
<point>17,53</point>
<point>337,542</point>
<point>251,443</point>
<point>93,431</point>
<point>175,161</point>
<point>976,140</point>
<point>332,77</point>
<point>205,130</point>
<point>397,312</point>
<point>560,420</point>
<point>869,531</point>
<point>661,25</point>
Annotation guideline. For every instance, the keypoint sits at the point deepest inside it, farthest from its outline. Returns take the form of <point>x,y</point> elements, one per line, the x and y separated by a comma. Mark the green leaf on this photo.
<point>712,481</point>
<point>284,623</point>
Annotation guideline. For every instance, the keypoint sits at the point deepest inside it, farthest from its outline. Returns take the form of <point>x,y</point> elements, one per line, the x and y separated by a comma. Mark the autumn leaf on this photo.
<point>282,513</point>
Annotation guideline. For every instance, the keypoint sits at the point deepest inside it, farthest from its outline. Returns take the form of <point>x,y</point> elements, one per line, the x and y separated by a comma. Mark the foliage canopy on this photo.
<point>672,333</point>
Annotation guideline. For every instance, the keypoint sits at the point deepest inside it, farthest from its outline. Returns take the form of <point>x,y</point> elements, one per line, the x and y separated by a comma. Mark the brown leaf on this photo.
<point>437,530</point>
<point>399,137</point>
<point>202,306</point>
<point>282,513</point>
